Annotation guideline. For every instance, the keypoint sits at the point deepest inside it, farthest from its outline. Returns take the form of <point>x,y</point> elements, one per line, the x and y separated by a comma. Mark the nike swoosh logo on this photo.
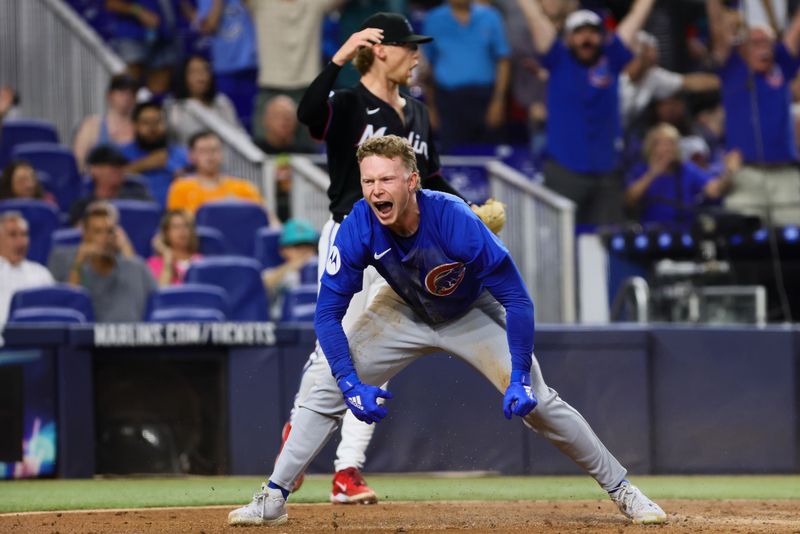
<point>373,111</point>
<point>382,254</point>
<point>342,486</point>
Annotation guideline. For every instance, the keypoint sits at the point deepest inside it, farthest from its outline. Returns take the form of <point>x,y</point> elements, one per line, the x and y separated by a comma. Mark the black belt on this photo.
<point>339,217</point>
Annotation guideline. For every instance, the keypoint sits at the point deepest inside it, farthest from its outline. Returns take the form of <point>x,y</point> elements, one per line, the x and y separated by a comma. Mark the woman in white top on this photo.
<point>196,82</point>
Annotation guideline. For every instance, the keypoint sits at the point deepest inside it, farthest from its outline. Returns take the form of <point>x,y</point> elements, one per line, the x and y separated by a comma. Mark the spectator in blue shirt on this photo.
<point>668,190</point>
<point>150,154</point>
<point>233,51</point>
<point>469,58</point>
<point>756,94</point>
<point>144,37</point>
<point>583,123</point>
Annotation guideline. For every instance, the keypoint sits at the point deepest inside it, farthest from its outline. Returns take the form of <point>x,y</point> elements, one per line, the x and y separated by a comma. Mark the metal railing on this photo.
<point>55,61</point>
<point>540,234</point>
<point>309,191</point>
<point>633,297</point>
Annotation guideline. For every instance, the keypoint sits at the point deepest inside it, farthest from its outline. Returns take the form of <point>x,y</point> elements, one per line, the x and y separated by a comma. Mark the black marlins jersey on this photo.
<point>354,116</point>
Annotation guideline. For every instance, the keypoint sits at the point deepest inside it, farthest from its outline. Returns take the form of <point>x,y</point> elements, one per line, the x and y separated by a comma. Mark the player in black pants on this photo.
<point>385,51</point>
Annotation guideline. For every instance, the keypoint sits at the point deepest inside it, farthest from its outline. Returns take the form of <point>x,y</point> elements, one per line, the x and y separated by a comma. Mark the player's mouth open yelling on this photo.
<point>383,207</point>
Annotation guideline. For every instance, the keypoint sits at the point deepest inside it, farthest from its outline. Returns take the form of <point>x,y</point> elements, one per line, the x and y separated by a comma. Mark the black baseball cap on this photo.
<point>106,155</point>
<point>396,28</point>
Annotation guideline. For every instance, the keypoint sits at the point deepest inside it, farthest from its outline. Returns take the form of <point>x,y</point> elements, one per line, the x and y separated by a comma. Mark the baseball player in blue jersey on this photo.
<point>451,286</point>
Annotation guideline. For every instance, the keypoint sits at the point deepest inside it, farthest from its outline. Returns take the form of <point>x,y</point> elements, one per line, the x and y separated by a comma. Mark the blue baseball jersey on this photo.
<point>583,124</point>
<point>439,272</point>
<point>773,99</point>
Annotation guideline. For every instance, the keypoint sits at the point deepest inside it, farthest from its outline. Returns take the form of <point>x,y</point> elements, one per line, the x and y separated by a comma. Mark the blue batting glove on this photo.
<point>519,398</point>
<point>362,399</point>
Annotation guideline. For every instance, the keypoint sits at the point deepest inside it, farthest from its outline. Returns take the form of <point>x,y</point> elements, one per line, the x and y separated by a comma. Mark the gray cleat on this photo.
<point>636,506</point>
<point>268,508</point>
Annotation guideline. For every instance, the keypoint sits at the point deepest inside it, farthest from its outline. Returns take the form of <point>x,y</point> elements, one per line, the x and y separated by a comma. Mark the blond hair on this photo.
<point>665,129</point>
<point>390,147</point>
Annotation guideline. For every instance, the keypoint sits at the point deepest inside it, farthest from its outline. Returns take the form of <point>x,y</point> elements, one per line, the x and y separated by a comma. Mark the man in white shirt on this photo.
<point>16,272</point>
<point>645,80</point>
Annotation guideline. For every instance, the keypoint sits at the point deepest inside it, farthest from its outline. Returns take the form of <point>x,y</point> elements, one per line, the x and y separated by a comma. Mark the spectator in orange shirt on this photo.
<point>208,184</point>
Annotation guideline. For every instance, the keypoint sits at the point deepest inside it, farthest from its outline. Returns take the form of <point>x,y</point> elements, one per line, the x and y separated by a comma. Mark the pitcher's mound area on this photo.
<point>450,517</point>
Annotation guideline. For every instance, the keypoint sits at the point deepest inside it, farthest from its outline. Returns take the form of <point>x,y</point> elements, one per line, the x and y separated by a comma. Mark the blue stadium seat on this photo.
<point>309,273</point>
<point>472,181</point>
<point>241,278</point>
<point>137,179</point>
<point>45,179</point>
<point>66,237</point>
<point>267,247</point>
<point>195,296</point>
<point>47,314</point>
<point>42,220</point>
<point>58,161</point>
<point>140,220</point>
<point>187,315</point>
<point>58,295</point>
<point>212,242</point>
<point>17,132</point>
<point>238,220</point>
<point>300,303</point>
<point>87,185</point>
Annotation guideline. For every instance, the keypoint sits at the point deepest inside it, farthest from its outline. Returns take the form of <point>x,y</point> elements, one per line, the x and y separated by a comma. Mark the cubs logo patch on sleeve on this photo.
<point>334,262</point>
<point>443,279</point>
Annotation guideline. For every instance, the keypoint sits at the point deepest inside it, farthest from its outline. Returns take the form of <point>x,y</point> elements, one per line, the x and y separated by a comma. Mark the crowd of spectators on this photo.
<point>642,110</point>
<point>577,84</point>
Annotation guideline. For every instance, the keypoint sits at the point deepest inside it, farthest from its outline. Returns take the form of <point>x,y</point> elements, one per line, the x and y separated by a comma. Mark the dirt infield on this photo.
<point>467,517</point>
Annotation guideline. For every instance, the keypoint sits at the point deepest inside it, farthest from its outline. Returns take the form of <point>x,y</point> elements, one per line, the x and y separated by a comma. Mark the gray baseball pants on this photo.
<point>389,336</point>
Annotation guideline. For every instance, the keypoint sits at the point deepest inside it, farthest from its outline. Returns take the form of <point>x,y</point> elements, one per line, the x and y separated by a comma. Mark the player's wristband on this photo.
<point>522,377</point>
<point>348,382</point>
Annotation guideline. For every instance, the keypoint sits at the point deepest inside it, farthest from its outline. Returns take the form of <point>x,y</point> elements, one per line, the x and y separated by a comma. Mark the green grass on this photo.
<point>196,491</point>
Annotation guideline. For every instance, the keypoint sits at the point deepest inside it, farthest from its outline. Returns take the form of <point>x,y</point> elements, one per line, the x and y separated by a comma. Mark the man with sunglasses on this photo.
<point>385,52</point>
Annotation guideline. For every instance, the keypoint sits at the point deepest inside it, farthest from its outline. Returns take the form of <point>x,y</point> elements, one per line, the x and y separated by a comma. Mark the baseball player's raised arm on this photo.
<point>506,285</point>
<point>314,110</point>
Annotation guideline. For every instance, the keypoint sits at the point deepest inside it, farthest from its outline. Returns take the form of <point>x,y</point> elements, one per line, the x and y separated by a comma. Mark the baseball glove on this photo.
<point>493,214</point>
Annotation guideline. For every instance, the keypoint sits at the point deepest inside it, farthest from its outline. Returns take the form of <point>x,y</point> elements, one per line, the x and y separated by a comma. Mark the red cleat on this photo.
<point>284,436</point>
<point>349,487</point>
